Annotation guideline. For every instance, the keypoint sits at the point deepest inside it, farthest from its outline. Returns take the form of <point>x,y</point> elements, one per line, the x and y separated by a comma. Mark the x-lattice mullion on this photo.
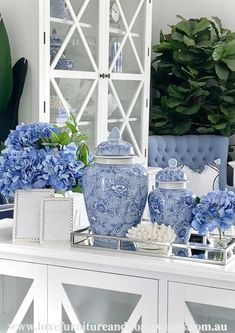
<point>128,35</point>
<point>77,326</point>
<point>63,46</point>
<point>133,139</point>
<point>22,311</point>
<point>86,101</point>
<point>134,318</point>
<point>80,32</point>
<point>75,26</point>
<point>126,122</point>
<point>121,109</point>
<point>60,95</point>
<point>132,104</point>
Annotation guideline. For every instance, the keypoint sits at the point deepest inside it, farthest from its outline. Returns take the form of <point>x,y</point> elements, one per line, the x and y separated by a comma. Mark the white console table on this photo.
<point>81,287</point>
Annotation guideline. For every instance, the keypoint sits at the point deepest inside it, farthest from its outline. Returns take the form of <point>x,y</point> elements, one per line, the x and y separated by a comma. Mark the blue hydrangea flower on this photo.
<point>28,135</point>
<point>215,210</point>
<point>26,165</point>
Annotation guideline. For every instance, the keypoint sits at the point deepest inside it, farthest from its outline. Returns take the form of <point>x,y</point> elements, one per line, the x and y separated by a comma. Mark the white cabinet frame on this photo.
<point>178,312</point>
<point>146,308</point>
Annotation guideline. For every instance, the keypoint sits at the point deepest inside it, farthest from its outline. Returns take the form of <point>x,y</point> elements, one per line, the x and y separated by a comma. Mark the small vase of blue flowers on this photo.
<point>215,210</point>
<point>41,155</point>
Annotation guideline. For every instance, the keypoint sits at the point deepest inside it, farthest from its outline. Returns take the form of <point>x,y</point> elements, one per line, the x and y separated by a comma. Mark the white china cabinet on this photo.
<point>88,58</point>
<point>97,66</point>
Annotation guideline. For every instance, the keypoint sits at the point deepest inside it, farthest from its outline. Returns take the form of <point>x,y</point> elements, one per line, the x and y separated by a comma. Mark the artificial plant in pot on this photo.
<point>11,85</point>
<point>193,79</point>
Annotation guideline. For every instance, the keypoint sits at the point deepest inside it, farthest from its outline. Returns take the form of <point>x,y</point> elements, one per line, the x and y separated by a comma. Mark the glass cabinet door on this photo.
<point>99,68</point>
<point>84,301</point>
<point>23,297</point>
<point>74,56</point>
<point>129,56</point>
<point>195,309</point>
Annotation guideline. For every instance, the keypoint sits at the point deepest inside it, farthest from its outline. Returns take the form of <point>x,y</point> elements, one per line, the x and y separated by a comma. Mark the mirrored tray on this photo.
<point>203,252</point>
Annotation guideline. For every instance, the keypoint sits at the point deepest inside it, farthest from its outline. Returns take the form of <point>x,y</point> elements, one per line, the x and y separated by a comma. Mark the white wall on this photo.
<point>165,11</point>
<point>21,21</point>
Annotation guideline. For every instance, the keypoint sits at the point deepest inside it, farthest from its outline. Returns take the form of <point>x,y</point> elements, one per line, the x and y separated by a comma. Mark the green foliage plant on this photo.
<point>5,67</point>
<point>193,79</point>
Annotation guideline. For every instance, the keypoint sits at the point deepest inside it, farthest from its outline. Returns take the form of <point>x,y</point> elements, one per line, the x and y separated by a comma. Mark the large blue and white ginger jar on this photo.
<point>115,189</point>
<point>171,203</point>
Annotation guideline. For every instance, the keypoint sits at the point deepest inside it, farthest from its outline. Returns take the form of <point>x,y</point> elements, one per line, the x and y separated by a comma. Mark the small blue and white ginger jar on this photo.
<point>115,189</point>
<point>171,203</point>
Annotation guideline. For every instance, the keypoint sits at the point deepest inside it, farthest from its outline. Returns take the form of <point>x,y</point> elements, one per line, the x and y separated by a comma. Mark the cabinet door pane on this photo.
<point>23,296</point>
<point>208,317</point>
<point>15,301</point>
<point>128,68</point>
<point>74,33</point>
<point>195,309</point>
<point>95,302</point>
<point>127,36</point>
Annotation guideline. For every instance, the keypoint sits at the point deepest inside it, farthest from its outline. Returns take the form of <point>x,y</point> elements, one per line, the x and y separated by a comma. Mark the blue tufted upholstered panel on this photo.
<point>192,150</point>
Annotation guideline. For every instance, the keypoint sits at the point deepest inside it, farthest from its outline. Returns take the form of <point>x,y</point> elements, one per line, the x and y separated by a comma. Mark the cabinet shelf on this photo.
<point>66,74</point>
<point>69,22</point>
<point>120,120</point>
<point>120,32</point>
<point>80,123</point>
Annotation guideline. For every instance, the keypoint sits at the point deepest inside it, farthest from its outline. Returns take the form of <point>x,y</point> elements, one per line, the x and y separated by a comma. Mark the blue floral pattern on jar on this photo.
<point>115,197</point>
<point>173,207</point>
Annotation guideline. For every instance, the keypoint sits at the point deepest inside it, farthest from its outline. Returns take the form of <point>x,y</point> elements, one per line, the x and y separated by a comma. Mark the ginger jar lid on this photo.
<point>171,174</point>
<point>115,150</point>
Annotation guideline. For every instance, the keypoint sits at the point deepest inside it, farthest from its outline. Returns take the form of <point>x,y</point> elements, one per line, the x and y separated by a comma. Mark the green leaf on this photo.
<point>71,127</point>
<point>184,26</point>
<point>188,41</point>
<point>172,103</point>
<point>229,112</point>
<point>177,36</point>
<point>183,56</point>
<point>220,126</point>
<point>188,110</point>
<point>230,49</point>
<point>182,127</point>
<point>197,84</point>
<point>161,47</point>
<point>5,68</point>
<point>230,63</point>
<point>160,123</point>
<point>228,99</point>
<point>227,130</point>
<point>205,130</point>
<point>202,25</point>
<point>218,53</point>
<point>213,118</point>
<point>180,17</point>
<point>217,21</point>
<point>64,138</point>
<point>83,154</point>
<point>173,91</point>
<point>54,137</point>
<point>222,72</point>
<point>77,189</point>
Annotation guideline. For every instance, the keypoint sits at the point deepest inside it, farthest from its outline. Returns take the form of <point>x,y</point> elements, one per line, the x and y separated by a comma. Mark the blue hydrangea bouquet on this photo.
<point>214,210</point>
<point>41,155</point>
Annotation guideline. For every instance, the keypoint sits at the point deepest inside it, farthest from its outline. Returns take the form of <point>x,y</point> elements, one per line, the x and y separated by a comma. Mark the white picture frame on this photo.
<point>56,221</point>
<point>27,214</point>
